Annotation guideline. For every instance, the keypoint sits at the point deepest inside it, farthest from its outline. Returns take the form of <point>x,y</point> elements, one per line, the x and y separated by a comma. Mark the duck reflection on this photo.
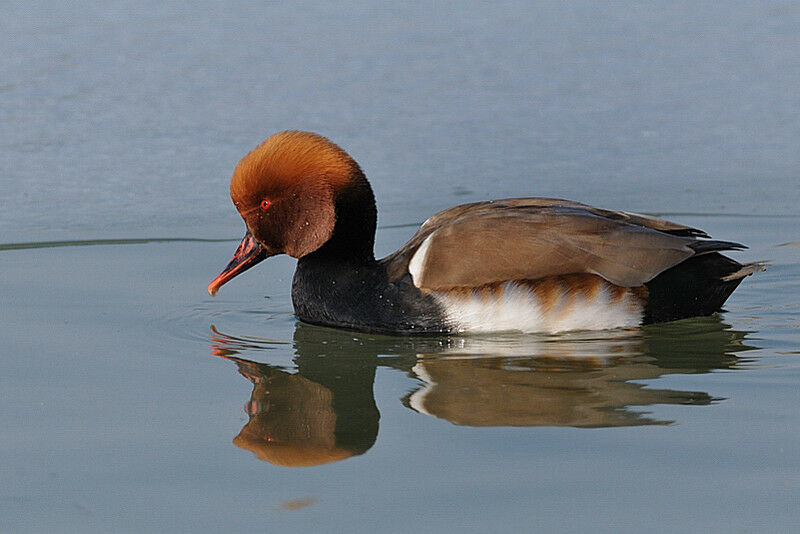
<point>325,409</point>
<point>574,381</point>
<point>323,413</point>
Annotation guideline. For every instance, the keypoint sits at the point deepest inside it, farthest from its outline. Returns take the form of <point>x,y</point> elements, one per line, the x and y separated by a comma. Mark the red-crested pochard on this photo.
<point>526,264</point>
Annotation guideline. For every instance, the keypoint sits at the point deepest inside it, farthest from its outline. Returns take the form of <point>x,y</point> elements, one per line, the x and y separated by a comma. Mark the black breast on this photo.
<point>332,292</point>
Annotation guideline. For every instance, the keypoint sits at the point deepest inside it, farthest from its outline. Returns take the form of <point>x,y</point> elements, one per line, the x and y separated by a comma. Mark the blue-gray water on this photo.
<point>123,385</point>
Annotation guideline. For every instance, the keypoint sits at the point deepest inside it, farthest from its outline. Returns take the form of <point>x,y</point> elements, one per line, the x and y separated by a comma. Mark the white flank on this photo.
<point>416,265</point>
<point>518,308</point>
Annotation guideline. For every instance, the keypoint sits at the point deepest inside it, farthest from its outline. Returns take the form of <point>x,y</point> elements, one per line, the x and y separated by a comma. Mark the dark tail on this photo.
<point>697,286</point>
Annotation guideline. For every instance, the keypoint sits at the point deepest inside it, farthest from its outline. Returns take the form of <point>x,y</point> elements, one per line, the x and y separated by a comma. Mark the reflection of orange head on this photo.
<point>291,455</point>
<point>293,423</point>
<point>323,413</point>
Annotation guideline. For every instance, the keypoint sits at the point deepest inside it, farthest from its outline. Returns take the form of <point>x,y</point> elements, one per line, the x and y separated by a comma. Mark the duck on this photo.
<point>534,265</point>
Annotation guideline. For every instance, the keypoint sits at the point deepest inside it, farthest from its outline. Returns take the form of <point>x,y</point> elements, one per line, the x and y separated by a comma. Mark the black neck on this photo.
<point>341,284</point>
<point>353,238</point>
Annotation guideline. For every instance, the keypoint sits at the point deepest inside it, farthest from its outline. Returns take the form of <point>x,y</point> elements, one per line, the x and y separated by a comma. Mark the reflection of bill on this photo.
<point>326,411</point>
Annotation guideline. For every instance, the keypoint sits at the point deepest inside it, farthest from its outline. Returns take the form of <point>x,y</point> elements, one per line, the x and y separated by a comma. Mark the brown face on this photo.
<point>284,190</point>
<point>294,220</point>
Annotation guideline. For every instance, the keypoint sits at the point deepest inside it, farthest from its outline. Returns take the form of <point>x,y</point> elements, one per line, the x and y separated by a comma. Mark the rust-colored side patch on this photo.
<point>553,291</point>
<point>296,504</point>
<point>616,293</point>
<point>548,290</point>
<point>640,294</point>
<point>585,285</point>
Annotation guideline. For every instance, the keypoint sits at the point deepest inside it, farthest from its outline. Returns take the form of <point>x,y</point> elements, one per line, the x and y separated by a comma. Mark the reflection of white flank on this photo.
<point>417,263</point>
<point>417,399</point>
<point>597,345</point>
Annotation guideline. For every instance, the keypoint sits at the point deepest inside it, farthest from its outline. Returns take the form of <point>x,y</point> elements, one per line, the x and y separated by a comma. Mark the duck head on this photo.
<point>292,191</point>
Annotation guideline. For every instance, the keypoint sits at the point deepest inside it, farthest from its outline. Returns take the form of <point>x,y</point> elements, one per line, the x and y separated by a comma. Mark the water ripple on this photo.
<point>103,242</point>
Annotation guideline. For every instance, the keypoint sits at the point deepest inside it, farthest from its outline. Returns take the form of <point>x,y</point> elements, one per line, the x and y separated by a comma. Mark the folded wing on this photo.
<point>531,238</point>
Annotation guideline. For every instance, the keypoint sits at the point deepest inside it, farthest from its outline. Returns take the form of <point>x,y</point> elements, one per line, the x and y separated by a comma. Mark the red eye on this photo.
<point>265,204</point>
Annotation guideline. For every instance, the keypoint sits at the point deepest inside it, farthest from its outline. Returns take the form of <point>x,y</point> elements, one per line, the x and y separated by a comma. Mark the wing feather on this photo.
<point>531,238</point>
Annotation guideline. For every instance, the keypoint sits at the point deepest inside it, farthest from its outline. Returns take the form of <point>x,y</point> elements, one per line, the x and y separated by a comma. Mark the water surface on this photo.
<point>133,401</point>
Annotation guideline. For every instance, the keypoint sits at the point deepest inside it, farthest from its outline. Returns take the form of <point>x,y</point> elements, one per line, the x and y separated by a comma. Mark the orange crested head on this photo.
<point>287,161</point>
<point>287,190</point>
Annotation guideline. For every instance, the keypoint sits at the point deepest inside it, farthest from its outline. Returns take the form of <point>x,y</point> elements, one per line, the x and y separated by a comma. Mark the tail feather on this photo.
<point>697,286</point>
<point>746,270</point>
<point>704,246</point>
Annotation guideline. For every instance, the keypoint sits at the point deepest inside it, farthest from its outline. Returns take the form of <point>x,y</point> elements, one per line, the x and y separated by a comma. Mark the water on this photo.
<point>133,401</point>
